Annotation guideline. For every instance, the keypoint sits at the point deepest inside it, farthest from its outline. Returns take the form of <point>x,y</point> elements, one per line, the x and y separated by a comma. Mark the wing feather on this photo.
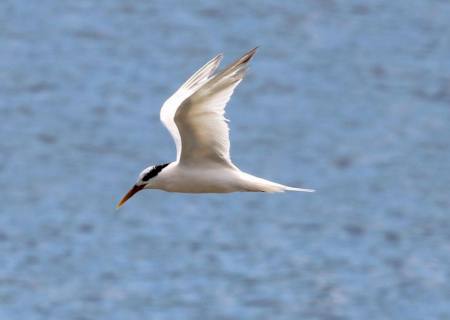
<point>200,120</point>
<point>170,107</point>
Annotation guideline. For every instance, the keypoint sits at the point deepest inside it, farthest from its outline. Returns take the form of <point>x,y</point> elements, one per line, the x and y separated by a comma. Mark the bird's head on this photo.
<point>145,180</point>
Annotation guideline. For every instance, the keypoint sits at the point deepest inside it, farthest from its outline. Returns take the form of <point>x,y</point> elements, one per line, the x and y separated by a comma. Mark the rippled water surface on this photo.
<point>351,98</point>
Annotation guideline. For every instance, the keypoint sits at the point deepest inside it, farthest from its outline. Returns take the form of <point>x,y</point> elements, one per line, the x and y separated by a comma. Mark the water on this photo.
<point>350,98</point>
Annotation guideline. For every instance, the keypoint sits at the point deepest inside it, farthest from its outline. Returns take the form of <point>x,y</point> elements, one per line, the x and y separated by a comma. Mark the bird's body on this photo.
<point>179,178</point>
<point>194,116</point>
<point>219,179</point>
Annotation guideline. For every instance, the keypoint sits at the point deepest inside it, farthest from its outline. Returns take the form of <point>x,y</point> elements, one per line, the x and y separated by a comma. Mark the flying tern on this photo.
<point>194,116</point>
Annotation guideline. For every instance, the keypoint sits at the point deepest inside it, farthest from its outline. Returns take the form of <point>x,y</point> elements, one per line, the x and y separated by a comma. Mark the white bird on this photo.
<point>194,116</point>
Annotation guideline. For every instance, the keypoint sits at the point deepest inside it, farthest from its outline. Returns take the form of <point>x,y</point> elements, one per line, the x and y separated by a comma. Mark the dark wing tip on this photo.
<point>237,67</point>
<point>246,57</point>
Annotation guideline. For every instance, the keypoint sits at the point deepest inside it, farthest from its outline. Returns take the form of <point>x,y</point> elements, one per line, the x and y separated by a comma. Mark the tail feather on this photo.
<point>299,189</point>
<point>255,184</point>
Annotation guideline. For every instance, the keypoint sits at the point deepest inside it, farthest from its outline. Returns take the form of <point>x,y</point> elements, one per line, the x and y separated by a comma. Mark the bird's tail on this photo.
<point>298,189</point>
<point>255,184</point>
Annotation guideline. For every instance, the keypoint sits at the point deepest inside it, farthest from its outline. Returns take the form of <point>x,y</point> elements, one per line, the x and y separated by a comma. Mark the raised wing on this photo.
<point>170,107</point>
<point>200,120</point>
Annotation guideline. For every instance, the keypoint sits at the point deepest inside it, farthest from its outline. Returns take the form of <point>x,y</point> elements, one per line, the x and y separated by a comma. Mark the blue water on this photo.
<point>350,98</point>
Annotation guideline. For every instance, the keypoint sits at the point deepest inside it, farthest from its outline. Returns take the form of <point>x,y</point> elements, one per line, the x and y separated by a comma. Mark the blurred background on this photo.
<point>351,98</point>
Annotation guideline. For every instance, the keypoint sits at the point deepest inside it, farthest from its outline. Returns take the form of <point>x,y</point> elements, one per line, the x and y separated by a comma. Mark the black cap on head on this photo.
<point>154,171</point>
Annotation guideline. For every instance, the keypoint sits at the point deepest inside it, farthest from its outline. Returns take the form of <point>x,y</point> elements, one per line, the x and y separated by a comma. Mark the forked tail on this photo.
<point>298,189</point>
<point>255,184</point>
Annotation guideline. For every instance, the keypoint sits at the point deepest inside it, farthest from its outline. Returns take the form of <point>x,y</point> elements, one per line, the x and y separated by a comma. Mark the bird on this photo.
<point>194,116</point>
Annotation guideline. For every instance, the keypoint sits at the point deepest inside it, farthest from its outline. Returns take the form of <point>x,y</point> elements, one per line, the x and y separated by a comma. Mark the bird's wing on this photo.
<point>170,107</point>
<point>200,120</point>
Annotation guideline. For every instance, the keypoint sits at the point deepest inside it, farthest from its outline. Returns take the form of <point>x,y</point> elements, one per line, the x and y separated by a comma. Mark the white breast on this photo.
<point>195,179</point>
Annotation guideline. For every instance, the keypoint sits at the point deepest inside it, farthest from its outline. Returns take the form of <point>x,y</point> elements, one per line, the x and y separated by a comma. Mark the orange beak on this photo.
<point>129,194</point>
